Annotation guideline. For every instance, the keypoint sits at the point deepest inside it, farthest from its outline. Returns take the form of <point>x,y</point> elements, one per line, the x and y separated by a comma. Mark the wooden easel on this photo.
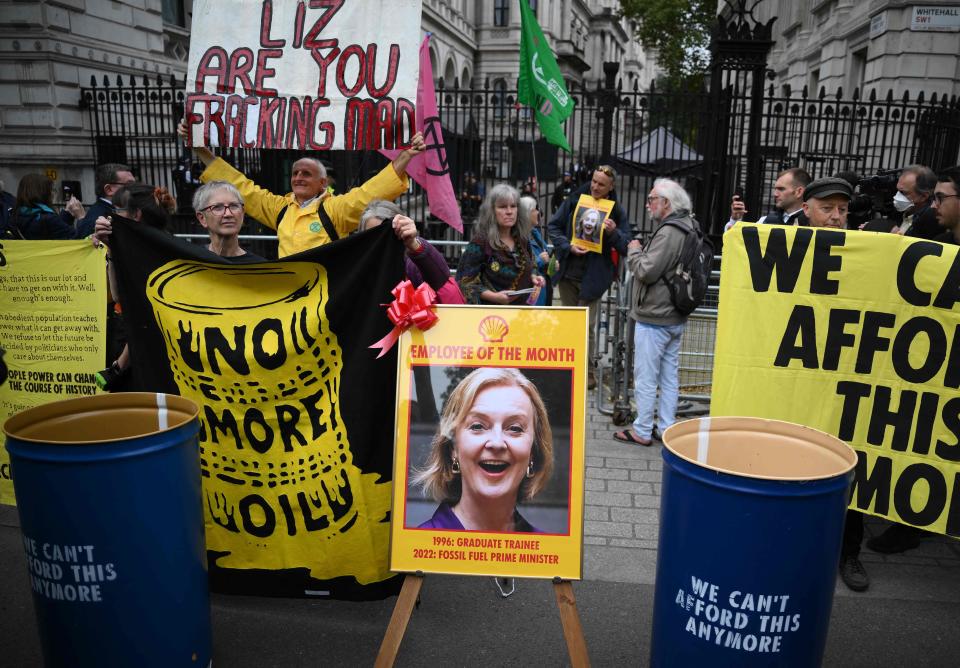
<point>562,589</point>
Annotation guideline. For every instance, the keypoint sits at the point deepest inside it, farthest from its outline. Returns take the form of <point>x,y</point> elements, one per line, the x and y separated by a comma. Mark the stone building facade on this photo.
<point>883,45</point>
<point>49,49</point>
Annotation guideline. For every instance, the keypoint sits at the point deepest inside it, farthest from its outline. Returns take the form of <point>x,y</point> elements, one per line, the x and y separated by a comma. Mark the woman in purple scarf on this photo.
<point>493,449</point>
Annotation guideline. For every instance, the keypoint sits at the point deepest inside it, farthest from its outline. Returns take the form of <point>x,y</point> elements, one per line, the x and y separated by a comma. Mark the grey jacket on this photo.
<point>651,298</point>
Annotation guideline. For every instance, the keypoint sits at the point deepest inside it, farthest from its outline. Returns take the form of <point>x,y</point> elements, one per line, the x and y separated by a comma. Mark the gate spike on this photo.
<point>873,94</point>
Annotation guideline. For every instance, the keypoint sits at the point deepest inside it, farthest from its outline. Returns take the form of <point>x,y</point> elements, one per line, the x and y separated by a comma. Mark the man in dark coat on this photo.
<point>787,200</point>
<point>583,276</point>
<point>109,177</point>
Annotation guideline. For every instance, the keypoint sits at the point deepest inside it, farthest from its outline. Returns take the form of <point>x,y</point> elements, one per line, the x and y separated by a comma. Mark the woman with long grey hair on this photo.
<point>497,267</point>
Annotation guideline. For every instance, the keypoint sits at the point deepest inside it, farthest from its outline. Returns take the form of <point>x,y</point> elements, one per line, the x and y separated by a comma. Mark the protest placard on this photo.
<point>490,444</point>
<point>312,75</point>
<point>856,334</point>
<point>53,304</point>
<point>588,222</point>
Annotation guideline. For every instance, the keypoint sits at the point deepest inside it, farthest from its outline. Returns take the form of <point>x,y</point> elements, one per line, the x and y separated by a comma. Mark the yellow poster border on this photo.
<point>548,339</point>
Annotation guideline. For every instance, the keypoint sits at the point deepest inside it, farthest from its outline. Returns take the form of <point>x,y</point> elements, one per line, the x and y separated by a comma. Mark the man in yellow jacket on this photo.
<point>298,216</point>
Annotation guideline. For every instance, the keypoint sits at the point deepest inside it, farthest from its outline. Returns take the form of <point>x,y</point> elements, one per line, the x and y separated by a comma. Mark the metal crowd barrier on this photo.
<point>614,357</point>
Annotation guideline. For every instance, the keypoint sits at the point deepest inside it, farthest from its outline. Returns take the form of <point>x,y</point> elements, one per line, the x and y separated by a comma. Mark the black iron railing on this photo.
<point>706,141</point>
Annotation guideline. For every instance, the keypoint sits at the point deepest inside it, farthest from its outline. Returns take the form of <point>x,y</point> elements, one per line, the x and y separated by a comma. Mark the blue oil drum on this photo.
<point>108,492</point>
<point>751,521</point>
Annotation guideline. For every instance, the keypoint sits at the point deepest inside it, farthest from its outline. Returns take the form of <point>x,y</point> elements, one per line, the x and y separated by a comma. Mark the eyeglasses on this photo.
<point>220,209</point>
<point>941,196</point>
<point>652,198</point>
<point>606,169</point>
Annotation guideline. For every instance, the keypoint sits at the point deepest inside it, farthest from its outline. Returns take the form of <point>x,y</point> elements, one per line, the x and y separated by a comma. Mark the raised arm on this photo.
<point>205,155</point>
<point>417,146</point>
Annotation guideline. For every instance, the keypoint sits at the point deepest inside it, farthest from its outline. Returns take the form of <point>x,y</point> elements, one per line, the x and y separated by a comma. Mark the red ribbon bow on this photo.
<point>410,307</point>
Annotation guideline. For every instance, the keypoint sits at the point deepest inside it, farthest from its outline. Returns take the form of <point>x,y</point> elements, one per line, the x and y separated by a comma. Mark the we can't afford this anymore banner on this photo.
<point>315,75</point>
<point>53,304</point>
<point>856,334</point>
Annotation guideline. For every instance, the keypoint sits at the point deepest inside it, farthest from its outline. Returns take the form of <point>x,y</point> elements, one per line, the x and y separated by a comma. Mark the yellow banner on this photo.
<point>489,459</point>
<point>856,334</point>
<point>53,304</point>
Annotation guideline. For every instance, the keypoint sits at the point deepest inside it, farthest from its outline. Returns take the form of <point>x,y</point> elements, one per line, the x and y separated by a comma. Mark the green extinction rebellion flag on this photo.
<point>296,412</point>
<point>541,85</point>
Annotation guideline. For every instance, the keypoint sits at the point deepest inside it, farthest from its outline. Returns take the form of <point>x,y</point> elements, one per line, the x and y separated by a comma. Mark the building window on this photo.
<point>173,13</point>
<point>499,98</point>
<point>858,70</point>
<point>501,13</point>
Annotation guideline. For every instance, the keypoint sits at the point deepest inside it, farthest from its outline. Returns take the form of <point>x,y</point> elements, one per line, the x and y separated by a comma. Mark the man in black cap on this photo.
<point>825,202</point>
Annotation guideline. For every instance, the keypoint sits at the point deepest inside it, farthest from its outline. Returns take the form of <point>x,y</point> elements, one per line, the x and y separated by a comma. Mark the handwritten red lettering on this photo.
<point>392,65</point>
<point>213,63</point>
<point>330,8</point>
<point>351,91</point>
<point>264,72</point>
<point>266,18</point>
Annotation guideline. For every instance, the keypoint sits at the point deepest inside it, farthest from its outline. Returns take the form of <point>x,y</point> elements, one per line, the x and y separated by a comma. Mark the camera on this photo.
<point>875,197</point>
<point>71,189</point>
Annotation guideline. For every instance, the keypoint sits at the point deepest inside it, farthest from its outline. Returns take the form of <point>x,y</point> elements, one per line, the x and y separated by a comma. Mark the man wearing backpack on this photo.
<point>658,322</point>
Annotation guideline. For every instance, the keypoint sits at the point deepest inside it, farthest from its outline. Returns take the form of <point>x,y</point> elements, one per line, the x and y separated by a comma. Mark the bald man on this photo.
<point>308,215</point>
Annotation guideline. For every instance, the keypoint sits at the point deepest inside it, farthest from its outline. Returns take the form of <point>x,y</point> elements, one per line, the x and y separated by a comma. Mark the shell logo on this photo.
<point>493,328</point>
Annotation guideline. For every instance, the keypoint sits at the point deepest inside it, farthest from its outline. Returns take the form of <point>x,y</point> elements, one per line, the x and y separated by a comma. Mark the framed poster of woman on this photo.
<point>488,473</point>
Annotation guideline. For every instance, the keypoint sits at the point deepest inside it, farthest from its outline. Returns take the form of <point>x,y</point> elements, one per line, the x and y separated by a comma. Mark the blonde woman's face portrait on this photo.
<point>494,442</point>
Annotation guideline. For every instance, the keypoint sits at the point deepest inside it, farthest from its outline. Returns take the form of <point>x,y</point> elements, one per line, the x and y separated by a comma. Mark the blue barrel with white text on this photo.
<point>751,522</point>
<point>108,492</point>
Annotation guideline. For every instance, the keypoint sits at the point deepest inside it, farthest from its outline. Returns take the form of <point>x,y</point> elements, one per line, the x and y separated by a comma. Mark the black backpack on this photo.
<point>8,224</point>
<point>687,281</point>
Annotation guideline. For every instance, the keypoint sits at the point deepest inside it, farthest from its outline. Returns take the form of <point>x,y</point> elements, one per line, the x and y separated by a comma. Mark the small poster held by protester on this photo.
<point>588,222</point>
<point>489,453</point>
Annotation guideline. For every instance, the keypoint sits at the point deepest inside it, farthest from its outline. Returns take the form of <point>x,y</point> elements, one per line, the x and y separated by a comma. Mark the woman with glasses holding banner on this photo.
<point>219,209</point>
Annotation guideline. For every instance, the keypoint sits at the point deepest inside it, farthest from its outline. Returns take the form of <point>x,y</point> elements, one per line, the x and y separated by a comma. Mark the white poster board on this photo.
<point>309,75</point>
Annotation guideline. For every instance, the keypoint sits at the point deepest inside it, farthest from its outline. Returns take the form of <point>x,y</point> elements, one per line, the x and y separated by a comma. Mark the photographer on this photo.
<point>787,200</point>
<point>914,198</point>
<point>33,215</point>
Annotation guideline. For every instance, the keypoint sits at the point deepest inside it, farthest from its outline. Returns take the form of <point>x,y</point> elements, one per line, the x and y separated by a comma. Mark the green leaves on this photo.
<point>680,32</point>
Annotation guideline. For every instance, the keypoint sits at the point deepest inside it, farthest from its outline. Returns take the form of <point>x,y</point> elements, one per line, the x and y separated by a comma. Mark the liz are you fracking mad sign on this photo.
<point>314,74</point>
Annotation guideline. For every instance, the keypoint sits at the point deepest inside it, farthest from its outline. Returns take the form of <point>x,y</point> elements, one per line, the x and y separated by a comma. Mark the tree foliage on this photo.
<point>680,32</point>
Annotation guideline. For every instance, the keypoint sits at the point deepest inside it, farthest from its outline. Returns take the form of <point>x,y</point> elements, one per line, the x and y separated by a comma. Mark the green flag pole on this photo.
<point>540,85</point>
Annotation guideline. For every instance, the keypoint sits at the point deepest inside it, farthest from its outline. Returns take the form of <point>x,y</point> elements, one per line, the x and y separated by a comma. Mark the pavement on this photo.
<point>909,616</point>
